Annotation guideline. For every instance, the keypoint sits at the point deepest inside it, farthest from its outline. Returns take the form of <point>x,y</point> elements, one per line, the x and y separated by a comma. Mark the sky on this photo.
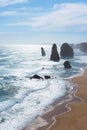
<point>43,21</point>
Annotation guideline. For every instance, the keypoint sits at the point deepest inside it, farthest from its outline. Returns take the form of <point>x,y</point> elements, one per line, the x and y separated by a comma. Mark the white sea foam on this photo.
<point>28,103</point>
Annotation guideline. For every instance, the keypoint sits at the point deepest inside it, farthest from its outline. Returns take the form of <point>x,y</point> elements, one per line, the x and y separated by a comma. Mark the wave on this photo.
<point>5,105</point>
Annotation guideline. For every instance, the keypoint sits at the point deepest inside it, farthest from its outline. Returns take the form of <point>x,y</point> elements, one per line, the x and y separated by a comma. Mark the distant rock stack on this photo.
<point>54,53</point>
<point>66,50</point>
<point>67,65</point>
<point>43,52</point>
<point>83,47</point>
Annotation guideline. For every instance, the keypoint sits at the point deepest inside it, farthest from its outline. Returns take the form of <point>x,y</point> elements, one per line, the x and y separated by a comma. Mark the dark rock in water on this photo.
<point>67,65</point>
<point>43,68</point>
<point>66,50</point>
<point>43,52</point>
<point>47,77</point>
<point>36,77</point>
<point>39,77</point>
<point>54,53</point>
<point>83,47</point>
<point>2,120</point>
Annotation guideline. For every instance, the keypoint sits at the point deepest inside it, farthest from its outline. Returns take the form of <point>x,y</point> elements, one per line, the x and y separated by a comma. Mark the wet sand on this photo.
<point>71,114</point>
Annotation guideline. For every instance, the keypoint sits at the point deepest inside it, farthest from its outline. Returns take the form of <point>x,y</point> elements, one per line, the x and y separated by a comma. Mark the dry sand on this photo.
<point>76,119</point>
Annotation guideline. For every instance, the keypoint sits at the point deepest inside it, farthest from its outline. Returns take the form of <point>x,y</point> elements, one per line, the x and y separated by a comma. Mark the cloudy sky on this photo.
<point>43,21</point>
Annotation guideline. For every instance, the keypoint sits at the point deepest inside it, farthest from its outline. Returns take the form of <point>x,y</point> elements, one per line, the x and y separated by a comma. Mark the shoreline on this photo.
<point>76,118</point>
<point>48,119</point>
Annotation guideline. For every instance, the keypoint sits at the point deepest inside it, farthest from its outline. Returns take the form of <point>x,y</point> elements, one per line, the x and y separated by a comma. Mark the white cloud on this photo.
<point>61,17</point>
<point>8,13</point>
<point>65,15</point>
<point>10,2</point>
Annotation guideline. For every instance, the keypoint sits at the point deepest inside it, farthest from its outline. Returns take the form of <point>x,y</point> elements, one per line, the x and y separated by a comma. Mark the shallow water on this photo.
<point>21,99</point>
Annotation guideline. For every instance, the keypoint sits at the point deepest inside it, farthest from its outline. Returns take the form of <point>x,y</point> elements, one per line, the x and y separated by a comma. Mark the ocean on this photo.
<point>22,98</point>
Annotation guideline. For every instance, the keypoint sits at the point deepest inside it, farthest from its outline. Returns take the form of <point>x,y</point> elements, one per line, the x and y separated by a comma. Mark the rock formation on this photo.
<point>43,52</point>
<point>83,47</point>
<point>67,65</point>
<point>39,77</point>
<point>66,50</point>
<point>36,77</point>
<point>47,77</point>
<point>54,53</point>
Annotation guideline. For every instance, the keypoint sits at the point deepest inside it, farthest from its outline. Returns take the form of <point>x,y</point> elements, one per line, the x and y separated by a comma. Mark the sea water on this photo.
<point>22,99</point>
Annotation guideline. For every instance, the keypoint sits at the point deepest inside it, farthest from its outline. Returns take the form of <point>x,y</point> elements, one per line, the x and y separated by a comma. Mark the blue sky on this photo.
<point>43,21</point>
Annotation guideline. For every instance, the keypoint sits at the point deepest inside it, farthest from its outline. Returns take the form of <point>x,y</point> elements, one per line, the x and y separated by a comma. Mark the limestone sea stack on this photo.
<point>83,47</point>
<point>43,52</point>
<point>67,65</point>
<point>54,53</point>
<point>66,51</point>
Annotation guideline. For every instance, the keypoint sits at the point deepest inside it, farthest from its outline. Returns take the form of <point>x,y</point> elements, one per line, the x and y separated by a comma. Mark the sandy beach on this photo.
<point>71,115</point>
<point>76,119</point>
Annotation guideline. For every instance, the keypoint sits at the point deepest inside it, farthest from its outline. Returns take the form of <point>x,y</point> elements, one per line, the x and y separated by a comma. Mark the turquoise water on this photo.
<point>21,99</point>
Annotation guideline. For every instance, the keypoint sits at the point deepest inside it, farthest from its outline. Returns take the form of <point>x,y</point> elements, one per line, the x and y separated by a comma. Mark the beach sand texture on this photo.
<point>76,119</point>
